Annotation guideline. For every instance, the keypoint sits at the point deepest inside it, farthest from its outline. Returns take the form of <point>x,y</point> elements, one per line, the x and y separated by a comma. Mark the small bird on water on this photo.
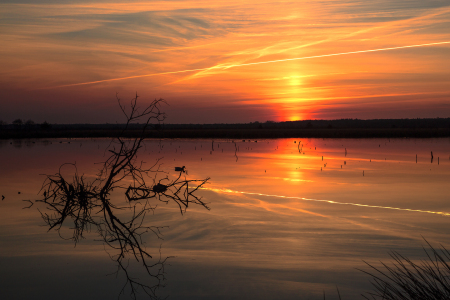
<point>3,197</point>
<point>181,169</point>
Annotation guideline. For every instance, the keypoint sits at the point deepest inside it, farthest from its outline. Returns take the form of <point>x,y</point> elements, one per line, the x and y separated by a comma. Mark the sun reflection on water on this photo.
<point>280,206</point>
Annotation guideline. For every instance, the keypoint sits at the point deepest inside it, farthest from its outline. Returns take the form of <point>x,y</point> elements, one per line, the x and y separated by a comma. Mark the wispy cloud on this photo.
<point>173,47</point>
<point>224,67</point>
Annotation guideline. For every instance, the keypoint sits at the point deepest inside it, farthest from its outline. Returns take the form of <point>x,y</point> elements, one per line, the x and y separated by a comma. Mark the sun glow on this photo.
<point>295,118</point>
<point>228,61</point>
<point>295,81</point>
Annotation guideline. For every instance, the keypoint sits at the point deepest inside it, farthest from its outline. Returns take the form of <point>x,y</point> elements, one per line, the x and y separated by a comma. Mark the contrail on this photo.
<point>334,54</point>
<point>131,77</point>
<point>225,67</point>
<point>329,201</point>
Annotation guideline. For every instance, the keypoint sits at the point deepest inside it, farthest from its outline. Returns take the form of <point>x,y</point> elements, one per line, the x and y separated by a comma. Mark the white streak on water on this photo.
<point>329,201</point>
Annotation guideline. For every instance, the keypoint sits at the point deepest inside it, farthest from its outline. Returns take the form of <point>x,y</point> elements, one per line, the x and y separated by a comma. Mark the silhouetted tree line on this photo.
<point>437,127</point>
<point>19,124</point>
<point>303,124</point>
<point>325,124</point>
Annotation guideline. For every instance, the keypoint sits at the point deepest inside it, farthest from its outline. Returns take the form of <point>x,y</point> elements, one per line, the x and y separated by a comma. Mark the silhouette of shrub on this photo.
<point>409,279</point>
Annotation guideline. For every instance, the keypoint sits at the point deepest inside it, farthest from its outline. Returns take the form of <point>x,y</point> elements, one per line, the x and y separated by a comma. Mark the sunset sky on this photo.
<point>229,61</point>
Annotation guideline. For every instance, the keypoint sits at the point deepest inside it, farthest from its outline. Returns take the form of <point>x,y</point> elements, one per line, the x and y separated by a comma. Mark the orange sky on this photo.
<point>225,61</point>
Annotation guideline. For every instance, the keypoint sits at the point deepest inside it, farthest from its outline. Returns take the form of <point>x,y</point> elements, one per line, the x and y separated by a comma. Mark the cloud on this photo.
<point>61,43</point>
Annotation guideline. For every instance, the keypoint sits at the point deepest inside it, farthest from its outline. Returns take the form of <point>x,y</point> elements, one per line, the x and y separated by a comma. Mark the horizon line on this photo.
<point>254,122</point>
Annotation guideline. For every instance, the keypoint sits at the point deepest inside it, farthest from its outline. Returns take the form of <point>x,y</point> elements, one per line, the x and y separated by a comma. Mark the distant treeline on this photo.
<point>343,128</point>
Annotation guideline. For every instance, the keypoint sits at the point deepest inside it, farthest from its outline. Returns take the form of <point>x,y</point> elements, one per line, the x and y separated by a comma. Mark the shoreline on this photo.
<point>247,133</point>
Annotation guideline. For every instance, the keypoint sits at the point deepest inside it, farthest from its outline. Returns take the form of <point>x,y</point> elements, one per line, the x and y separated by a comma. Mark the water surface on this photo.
<point>289,218</point>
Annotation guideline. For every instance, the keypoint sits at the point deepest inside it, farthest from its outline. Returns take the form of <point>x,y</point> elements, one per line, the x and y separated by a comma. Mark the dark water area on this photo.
<point>289,218</point>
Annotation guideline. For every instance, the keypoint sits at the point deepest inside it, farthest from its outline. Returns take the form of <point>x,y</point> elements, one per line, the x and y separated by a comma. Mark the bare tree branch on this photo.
<point>86,204</point>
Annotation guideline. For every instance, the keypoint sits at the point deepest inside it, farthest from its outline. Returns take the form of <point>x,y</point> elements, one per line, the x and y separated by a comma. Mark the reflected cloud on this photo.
<point>273,236</point>
<point>217,190</point>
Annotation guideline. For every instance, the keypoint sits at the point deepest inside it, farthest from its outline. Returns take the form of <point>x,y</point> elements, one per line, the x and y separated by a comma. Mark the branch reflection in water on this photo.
<point>79,204</point>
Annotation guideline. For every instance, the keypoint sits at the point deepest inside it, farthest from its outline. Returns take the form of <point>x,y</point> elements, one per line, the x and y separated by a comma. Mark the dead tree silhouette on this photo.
<point>89,204</point>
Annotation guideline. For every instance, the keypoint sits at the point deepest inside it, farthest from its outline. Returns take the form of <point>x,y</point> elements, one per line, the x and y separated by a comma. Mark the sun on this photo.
<point>295,118</point>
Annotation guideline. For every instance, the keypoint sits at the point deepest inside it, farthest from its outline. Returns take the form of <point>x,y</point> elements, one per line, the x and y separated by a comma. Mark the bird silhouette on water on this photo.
<point>180,169</point>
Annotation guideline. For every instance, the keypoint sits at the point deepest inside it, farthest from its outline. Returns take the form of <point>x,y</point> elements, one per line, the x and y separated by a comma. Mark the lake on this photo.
<point>288,218</point>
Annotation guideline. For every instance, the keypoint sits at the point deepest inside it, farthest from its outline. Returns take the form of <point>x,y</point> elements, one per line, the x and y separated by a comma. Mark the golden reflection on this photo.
<point>296,175</point>
<point>290,178</point>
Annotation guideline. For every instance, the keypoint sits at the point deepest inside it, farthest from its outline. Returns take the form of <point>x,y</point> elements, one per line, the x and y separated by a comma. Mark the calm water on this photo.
<point>289,218</point>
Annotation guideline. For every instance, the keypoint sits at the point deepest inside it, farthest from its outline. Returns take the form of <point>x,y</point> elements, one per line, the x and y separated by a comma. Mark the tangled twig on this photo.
<point>87,204</point>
